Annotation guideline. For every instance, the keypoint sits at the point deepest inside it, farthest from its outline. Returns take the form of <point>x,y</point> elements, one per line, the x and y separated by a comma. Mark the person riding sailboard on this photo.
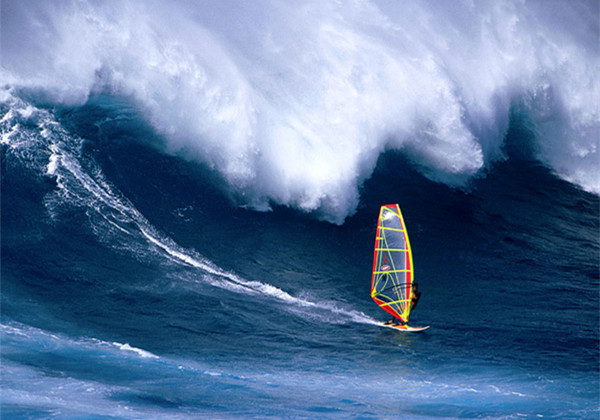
<point>392,286</point>
<point>414,299</point>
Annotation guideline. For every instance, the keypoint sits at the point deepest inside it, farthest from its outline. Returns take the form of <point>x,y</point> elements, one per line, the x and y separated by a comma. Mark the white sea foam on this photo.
<point>230,281</point>
<point>293,102</point>
<point>142,353</point>
<point>27,386</point>
<point>14,331</point>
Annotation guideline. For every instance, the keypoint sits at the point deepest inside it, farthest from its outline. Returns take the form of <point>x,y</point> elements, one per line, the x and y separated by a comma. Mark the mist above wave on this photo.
<point>293,102</point>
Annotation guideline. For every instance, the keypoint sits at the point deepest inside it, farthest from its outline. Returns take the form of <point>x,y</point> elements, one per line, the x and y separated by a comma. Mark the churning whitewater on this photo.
<point>332,84</point>
<point>190,193</point>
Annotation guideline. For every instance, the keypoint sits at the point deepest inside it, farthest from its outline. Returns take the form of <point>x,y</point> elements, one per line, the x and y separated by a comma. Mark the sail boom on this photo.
<point>392,271</point>
<point>394,302</point>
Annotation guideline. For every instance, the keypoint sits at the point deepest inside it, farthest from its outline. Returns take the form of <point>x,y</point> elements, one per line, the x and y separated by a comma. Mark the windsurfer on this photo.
<point>414,299</point>
<point>414,296</point>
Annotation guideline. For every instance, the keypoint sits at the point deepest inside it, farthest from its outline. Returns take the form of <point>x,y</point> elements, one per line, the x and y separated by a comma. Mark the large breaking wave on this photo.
<point>293,102</point>
<point>31,137</point>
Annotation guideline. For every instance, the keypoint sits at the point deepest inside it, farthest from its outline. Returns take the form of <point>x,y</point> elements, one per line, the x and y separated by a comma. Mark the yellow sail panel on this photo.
<point>391,284</point>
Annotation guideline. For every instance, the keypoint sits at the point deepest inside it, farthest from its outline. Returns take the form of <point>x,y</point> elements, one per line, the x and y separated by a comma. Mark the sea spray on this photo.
<point>292,103</point>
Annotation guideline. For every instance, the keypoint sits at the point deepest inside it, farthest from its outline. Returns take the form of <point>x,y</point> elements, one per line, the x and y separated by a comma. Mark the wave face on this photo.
<point>292,103</point>
<point>132,287</point>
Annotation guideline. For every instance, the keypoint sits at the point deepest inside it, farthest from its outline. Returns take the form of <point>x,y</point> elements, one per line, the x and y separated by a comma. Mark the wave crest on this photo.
<point>293,103</point>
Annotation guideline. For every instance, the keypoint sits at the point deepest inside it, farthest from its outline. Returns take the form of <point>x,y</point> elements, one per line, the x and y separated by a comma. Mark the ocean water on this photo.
<point>190,193</point>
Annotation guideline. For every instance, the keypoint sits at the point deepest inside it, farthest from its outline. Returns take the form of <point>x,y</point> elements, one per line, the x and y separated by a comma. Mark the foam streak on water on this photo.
<point>108,210</point>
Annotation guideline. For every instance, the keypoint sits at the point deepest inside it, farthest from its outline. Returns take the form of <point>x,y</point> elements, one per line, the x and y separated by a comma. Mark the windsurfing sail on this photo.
<point>391,284</point>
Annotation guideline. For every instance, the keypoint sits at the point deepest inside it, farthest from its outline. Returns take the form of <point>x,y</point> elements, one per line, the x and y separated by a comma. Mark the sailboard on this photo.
<point>405,328</point>
<point>393,275</point>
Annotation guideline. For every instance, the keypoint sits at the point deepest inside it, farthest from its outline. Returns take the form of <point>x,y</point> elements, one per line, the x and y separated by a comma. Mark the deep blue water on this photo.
<point>134,287</point>
<point>189,194</point>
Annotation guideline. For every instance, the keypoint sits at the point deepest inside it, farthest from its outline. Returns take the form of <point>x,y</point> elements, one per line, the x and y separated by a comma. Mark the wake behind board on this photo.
<point>404,328</point>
